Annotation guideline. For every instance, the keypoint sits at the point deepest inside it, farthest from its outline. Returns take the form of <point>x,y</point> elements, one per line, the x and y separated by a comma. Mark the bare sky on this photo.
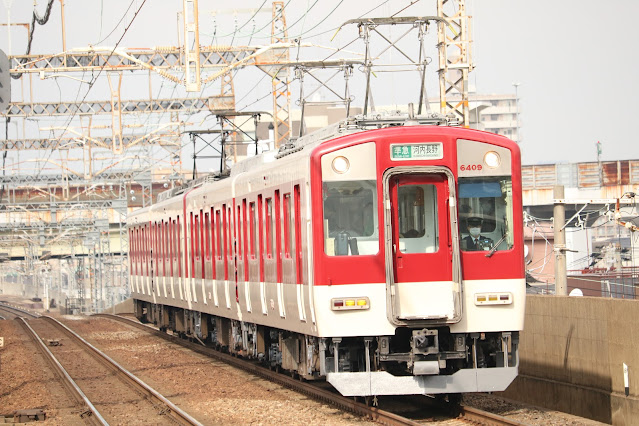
<point>574,59</point>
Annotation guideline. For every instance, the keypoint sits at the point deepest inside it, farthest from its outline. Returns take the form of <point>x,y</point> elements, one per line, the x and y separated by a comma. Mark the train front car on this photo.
<point>418,260</point>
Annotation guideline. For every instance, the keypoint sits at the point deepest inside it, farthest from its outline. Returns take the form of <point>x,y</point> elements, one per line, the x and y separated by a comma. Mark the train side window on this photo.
<point>149,249</point>
<point>298,233</point>
<point>158,247</point>
<point>260,250</point>
<point>207,235</point>
<point>417,213</point>
<point>246,240</point>
<point>139,256</point>
<point>278,234</point>
<point>144,259</point>
<point>240,235</point>
<point>288,230</point>
<point>253,228</point>
<point>203,250</point>
<point>225,235</point>
<point>133,257</point>
<point>196,233</point>
<point>151,243</point>
<point>191,255</point>
<point>213,236</point>
<point>270,240</point>
<point>178,246</point>
<point>229,247</point>
<point>163,247</point>
<point>350,218</point>
<point>218,234</point>
<point>171,255</point>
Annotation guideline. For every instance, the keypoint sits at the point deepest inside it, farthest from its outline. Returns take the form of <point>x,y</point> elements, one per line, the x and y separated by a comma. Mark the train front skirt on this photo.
<point>383,383</point>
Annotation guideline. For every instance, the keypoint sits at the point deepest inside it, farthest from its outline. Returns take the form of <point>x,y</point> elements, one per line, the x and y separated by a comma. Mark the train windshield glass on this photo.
<point>350,223</point>
<point>486,213</point>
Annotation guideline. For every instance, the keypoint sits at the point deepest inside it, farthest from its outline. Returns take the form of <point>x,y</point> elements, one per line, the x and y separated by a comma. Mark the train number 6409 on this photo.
<point>470,167</point>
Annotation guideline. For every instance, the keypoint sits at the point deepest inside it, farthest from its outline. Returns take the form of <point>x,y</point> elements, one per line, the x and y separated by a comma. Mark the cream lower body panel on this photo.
<point>356,322</point>
<point>258,302</point>
<point>487,318</point>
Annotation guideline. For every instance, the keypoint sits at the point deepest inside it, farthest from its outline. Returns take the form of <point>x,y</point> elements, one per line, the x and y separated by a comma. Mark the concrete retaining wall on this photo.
<point>125,307</point>
<point>572,352</point>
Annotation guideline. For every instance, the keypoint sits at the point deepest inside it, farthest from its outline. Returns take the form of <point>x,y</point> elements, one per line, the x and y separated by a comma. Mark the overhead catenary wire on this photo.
<point>116,25</point>
<point>42,20</point>
<point>94,78</point>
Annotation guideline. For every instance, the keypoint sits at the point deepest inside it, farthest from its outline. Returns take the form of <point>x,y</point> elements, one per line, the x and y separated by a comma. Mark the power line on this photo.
<point>40,20</point>
<point>93,79</point>
<point>116,25</point>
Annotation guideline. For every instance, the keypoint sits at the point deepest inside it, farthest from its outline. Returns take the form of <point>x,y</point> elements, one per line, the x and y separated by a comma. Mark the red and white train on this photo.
<point>349,257</point>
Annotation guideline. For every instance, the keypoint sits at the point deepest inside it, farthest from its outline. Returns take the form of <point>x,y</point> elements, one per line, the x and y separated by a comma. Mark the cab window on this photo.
<point>486,213</point>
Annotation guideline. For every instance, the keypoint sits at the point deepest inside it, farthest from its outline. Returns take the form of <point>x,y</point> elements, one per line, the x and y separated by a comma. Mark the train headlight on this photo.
<point>493,298</point>
<point>340,164</point>
<point>347,303</point>
<point>492,159</point>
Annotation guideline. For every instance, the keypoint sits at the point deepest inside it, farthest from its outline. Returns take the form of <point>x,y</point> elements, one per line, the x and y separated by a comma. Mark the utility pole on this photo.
<point>559,215</point>
<point>599,168</point>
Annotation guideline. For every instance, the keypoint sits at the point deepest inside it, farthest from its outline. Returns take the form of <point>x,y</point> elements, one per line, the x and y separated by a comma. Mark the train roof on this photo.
<point>351,125</point>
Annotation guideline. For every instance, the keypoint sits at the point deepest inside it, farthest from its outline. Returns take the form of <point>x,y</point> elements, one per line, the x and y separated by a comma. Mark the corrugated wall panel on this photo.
<point>588,175</point>
<point>634,171</point>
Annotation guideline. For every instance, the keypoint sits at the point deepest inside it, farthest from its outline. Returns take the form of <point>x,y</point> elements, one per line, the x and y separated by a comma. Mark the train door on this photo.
<point>422,251</point>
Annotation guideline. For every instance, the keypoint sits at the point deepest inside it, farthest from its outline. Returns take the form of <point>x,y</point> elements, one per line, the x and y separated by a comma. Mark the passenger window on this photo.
<point>195,234</point>
<point>288,231</point>
<point>270,239</point>
<point>207,235</point>
<point>350,218</point>
<point>252,214</point>
<point>218,234</point>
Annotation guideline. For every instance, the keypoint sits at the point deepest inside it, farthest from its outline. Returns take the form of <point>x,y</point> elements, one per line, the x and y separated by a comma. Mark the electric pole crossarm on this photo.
<point>30,109</point>
<point>160,58</point>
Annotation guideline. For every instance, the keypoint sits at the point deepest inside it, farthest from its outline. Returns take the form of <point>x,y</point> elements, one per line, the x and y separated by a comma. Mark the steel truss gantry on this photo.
<point>161,60</point>
<point>131,106</point>
<point>455,60</point>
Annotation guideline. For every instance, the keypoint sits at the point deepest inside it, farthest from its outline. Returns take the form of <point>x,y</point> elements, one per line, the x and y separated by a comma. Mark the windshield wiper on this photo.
<point>494,249</point>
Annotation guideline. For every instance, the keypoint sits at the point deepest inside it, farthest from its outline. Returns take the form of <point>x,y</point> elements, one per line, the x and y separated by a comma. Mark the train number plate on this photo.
<point>417,151</point>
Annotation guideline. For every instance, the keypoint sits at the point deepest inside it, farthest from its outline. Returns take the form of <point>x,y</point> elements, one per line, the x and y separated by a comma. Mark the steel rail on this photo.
<point>174,412</point>
<point>14,309</point>
<point>476,415</point>
<point>90,414</point>
<point>345,403</point>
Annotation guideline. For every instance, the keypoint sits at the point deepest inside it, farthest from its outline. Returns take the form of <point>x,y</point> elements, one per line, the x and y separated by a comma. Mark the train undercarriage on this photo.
<point>413,361</point>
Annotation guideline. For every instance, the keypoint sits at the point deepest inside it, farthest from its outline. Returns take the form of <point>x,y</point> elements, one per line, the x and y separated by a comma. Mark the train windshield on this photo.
<point>486,213</point>
<point>350,222</point>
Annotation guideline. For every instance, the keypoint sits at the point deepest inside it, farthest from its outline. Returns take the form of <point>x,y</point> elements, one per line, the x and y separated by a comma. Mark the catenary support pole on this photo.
<point>559,214</point>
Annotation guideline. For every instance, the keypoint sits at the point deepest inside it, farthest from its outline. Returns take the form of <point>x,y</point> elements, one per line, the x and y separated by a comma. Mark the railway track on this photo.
<point>466,414</point>
<point>108,393</point>
<point>16,312</point>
